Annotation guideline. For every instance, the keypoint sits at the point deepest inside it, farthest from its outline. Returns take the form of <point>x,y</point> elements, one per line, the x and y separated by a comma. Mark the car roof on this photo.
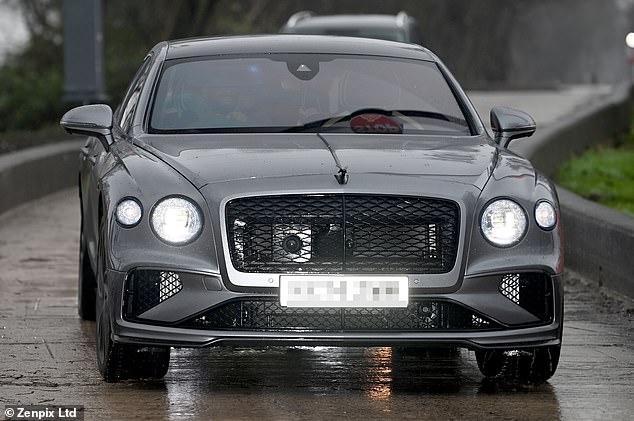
<point>351,21</point>
<point>291,43</point>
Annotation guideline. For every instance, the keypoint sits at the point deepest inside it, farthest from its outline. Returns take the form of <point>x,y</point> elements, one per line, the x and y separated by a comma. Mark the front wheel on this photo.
<point>123,361</point>
<point>87,285</point>
<point>114,360</point>
<point>150,362</point>
<point>527,366</point>
<point>118,361</point>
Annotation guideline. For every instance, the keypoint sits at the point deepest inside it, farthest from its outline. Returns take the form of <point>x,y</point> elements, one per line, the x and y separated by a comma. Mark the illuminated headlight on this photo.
<point>545,215</point>
<point>128,212</point>
<point>503,223</point>
<point>176,220</point>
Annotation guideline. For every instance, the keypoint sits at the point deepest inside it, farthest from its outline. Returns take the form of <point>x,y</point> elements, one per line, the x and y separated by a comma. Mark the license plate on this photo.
<point>343,291</point>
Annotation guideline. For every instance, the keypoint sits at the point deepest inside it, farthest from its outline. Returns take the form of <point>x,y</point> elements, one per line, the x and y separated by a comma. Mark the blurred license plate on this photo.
<point>343,291</point>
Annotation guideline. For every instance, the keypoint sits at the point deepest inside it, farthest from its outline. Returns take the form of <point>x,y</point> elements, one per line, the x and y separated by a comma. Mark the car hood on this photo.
<point>218,158</point>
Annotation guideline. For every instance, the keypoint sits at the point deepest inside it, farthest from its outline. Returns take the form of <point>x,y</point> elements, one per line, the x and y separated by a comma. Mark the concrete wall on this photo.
<point>599,241</point>
<point>33,173</point>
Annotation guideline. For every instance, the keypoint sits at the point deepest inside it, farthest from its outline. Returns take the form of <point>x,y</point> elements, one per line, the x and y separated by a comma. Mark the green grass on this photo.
<point>604,174</point>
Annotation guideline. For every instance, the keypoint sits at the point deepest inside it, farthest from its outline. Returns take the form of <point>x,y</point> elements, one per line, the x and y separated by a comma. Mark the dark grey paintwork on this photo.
<point>509,124</point>
<point>90,120</point>
<point>210,169</point>
<point>294,44</point>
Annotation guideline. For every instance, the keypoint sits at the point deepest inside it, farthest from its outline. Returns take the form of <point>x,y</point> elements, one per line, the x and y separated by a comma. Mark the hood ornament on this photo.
<point>342,176</point>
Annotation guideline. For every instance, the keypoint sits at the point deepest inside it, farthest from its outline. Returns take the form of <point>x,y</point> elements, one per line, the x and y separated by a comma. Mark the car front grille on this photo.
<point>342,234</point>
<point>269,315</point>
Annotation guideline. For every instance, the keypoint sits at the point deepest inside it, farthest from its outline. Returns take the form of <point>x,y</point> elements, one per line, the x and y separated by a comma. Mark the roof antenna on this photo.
<point>342,176</point>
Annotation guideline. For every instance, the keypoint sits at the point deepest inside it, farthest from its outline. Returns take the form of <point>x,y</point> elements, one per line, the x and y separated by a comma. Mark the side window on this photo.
<point>131,100</point>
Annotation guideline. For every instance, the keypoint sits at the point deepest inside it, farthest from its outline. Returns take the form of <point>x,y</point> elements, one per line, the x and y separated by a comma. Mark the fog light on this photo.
<point>545,215</point>
<point>128,212</point>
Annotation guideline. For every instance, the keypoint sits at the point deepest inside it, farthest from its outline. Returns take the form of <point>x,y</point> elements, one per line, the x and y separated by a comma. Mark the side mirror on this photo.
<point>90,120</point>
<point>509,123</point>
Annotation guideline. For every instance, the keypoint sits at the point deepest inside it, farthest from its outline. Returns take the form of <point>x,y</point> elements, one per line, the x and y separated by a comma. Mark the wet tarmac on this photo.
<point>47,356</point>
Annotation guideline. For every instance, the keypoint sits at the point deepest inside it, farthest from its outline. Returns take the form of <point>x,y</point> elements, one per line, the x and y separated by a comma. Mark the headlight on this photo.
<point>129,212</point>
<point>503,223</point>
<point>545,215</point>
<point>176,220</point>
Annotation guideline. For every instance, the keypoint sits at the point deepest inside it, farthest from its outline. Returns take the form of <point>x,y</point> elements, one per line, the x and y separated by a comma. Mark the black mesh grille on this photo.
<point>271,316</point>
<point>343,234</point>
<point>148,288</point>
<point>531,291</point>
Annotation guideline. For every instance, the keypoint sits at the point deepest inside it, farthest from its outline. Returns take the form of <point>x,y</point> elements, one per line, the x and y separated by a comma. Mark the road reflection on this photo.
<point>316,382</point>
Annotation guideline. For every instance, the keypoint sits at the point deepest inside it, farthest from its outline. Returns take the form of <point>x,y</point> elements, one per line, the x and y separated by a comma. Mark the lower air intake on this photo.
<point>531,291</point>
<point>265,315</point>
<point>146,289</point>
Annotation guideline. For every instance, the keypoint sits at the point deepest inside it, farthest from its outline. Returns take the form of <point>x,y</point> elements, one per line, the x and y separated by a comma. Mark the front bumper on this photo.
<point>511,326</point>
<point>134,333</point>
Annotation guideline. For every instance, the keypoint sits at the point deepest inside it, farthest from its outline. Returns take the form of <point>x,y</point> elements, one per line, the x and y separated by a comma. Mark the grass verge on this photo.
<point>604,174</point>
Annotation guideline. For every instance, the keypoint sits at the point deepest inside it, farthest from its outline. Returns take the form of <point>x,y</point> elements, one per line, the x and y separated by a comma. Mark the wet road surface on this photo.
<point>47,356</point>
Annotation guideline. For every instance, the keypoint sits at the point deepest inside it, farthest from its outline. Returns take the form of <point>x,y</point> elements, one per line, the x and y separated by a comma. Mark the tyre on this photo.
<point>113,360</point>
<point>526,366</point>
<point>150,363</point>
<point>122,361</point>
<point>87,285</point>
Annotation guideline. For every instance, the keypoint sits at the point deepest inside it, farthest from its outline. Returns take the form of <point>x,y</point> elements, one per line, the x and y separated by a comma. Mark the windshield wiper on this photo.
<point>330,122</point>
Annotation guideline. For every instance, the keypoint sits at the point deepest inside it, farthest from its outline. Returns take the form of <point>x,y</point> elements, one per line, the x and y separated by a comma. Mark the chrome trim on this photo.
<point>272,280</point>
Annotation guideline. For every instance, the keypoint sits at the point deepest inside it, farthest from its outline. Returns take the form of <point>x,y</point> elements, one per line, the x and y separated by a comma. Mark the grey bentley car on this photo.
<point>304,190</point>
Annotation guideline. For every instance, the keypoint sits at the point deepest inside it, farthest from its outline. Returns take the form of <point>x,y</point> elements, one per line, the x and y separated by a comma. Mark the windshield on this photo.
<point>275,93</point>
